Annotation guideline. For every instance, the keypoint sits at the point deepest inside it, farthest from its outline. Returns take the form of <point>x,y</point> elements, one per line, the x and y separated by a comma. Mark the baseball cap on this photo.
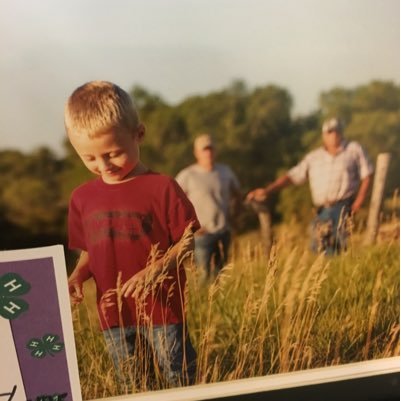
<point>332,124</point>
<point>203,141</point>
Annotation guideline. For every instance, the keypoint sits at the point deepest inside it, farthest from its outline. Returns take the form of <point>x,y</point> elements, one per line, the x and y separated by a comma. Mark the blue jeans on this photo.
<point>211,250</point>
<point>169,346</point>
<point>329,228</point>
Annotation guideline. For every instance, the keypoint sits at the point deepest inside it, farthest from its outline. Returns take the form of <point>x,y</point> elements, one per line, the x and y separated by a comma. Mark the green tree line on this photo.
<point>254,132</point>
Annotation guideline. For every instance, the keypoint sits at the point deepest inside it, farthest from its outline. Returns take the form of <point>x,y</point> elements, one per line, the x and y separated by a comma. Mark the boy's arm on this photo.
<point>80,274</point>
<point>169,261</point>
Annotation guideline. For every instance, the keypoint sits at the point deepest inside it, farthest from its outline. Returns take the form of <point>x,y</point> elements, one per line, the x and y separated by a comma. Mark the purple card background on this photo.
<point>49,375</point>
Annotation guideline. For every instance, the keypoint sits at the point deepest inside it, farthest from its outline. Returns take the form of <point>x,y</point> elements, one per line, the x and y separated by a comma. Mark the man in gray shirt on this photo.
<point>211,187</point>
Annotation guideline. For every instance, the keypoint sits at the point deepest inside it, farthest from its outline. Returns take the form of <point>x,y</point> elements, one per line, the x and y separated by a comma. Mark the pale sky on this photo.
<point>178,48</point>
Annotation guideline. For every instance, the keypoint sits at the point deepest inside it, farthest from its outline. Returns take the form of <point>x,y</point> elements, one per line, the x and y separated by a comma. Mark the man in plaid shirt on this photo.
<point>339,174</point>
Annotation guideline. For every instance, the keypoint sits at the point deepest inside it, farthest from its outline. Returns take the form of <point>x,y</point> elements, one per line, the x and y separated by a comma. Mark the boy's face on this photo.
<point>113,155</point>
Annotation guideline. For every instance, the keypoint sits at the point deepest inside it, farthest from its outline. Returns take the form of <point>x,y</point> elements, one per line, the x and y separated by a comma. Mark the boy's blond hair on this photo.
<point>98,106</point>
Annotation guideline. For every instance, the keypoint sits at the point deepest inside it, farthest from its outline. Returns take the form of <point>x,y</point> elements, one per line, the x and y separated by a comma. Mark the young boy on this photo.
<point>117,220</point>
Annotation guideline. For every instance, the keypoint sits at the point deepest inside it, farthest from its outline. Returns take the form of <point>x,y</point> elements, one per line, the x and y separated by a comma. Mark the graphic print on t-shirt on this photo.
<point>118,224</point>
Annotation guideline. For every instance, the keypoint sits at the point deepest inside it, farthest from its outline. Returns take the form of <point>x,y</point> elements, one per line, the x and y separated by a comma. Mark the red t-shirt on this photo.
<point>117,225</point>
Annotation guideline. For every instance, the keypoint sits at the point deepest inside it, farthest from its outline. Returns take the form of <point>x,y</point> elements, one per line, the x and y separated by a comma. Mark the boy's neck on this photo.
<point>139,169</point>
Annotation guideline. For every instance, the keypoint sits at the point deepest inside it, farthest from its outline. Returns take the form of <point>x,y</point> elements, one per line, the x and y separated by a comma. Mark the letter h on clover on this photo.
<point>12,287</point>
<point>48,344</point>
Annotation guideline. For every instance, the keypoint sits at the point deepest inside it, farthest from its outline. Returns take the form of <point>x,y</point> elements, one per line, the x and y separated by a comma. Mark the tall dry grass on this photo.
<point>263,315</point>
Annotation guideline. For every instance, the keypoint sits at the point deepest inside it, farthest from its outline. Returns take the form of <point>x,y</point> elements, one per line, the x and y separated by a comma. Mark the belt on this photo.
<point>327,205</point>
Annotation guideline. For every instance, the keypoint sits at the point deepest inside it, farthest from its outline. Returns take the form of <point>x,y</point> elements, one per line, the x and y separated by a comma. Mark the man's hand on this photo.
<point>361,195</point>
<point>200,232</point>
<point>258,195</point>
<point>356,206</point>
<point>261,194</point>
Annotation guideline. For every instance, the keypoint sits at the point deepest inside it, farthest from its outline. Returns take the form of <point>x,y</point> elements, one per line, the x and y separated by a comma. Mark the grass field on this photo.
<point>263,315</point>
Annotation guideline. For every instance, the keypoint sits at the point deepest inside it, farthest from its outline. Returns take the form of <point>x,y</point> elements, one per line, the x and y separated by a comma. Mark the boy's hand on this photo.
<point>80,274</point>
<point>75,290</point>
<point>133,286</point>
<point>129,286</point>
<point>141,283</point>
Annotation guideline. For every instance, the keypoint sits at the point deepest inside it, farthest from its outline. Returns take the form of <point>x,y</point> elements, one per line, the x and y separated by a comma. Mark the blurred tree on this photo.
<point>267,140</point>
<point>31,204</point>
<point>379,131</point>
<point>12,164</point>
<point>73,173</point>
<point>376,96</point>
<point>165,145</point>
<point>30,198</point>
<point>145,101</point>
<point>254,133</point>
<point>336,102</point>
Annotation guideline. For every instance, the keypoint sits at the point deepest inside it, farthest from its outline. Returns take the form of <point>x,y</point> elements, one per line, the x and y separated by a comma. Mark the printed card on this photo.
<point>37,350</point>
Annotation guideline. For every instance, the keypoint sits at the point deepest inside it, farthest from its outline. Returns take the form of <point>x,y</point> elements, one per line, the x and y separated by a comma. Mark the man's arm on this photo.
<point>361,195</point>
<point>169,261</point>
<point>261,194</point>
<point>80,274</point>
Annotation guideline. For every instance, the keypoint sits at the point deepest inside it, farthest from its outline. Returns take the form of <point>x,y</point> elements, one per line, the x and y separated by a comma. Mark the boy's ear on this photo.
<point>140,132</point>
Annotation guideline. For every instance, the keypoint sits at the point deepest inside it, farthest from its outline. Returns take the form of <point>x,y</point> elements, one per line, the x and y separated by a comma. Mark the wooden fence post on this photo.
<point>265,223</point>
<point>382,163</point>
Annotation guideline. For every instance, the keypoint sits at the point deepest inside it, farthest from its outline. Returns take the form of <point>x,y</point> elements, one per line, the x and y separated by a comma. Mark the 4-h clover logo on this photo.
<point>12,286</point>
<point>48,344</point>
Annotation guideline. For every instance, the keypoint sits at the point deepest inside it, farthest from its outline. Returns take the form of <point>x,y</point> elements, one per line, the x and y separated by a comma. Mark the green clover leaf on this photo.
<point>54,397</point>
<point>48,344</point>
<point>12,286</point>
